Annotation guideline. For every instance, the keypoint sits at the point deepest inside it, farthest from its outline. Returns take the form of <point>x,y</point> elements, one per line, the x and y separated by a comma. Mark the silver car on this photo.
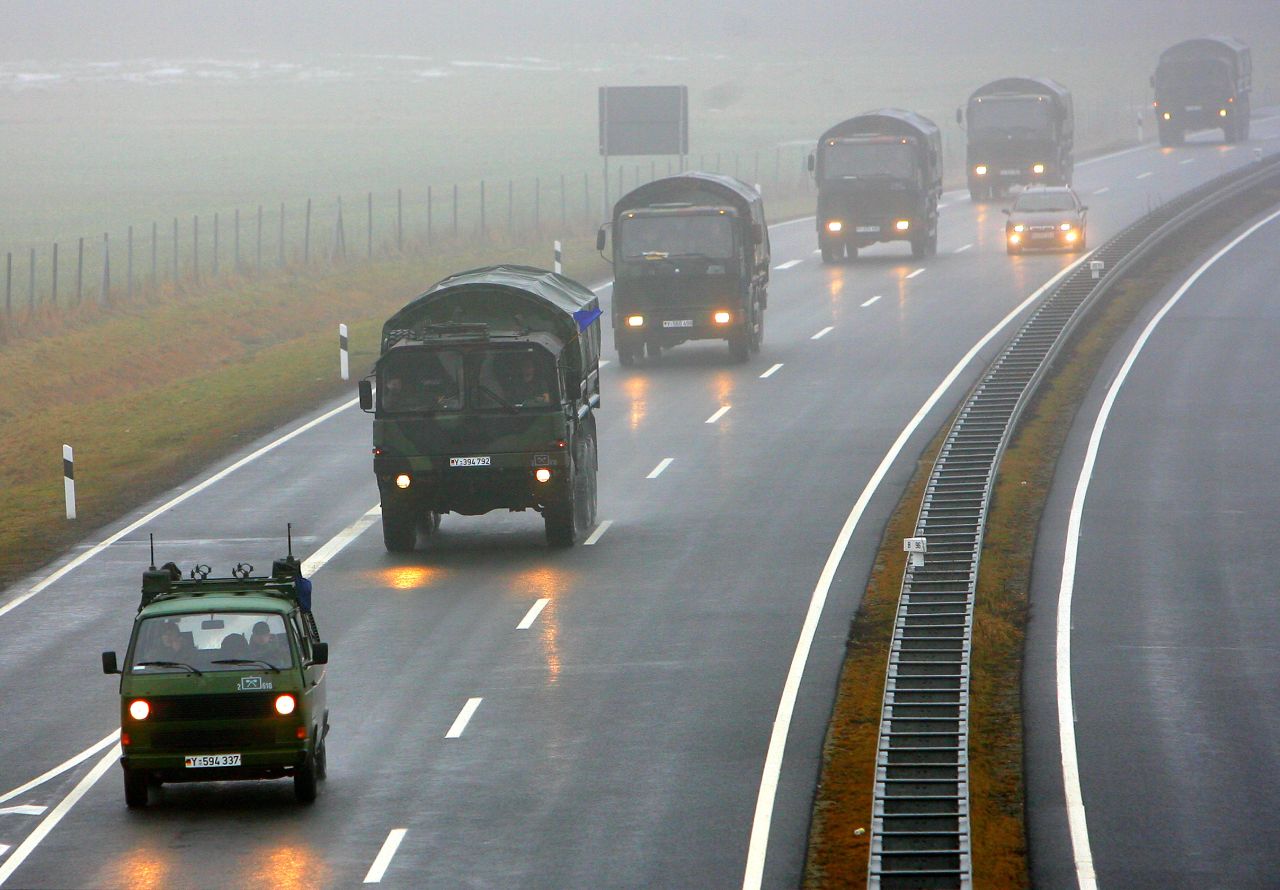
<point>1045,218</point>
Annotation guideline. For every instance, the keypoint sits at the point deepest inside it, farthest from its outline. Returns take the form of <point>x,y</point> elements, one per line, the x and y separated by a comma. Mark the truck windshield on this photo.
<point>854,159</point>
<point>511,379</point>
<point>671,235</point>
<point>211,641</point>
<point>420,380</point>
<point>1191,75</point>
<point>1017,113</point>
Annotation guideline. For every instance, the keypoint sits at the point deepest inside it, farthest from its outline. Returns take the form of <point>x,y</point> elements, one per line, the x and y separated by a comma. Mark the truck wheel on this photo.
<point>919,248</point>
<point>653,348</point>
<point>427,525</point>
<point>932,245</point>
<point>135,789</point>
<point>399,532</point>
<point>740,346</point>
<point>829,254</point>
<point>304,780</point>
<point>559,524</point>
<point>851,252</point>
<point>1231,132</point>
<point>757,335</point>
<point>626,356</point>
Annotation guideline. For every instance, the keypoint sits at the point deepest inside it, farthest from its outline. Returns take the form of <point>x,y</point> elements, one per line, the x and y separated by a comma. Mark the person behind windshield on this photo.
<point>173,645</point>
<point>527,386</point>
<point>264,646</point>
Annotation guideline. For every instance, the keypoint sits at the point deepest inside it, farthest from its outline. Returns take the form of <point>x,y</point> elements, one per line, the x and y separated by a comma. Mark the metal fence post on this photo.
<point>80,272</point>
<point>31,286</point>
<point>306,237</point>
<point>129,265</point>
<point>215,246</point>
<point>104,296</point>
<point>55,273</point>
<point>195,249</point>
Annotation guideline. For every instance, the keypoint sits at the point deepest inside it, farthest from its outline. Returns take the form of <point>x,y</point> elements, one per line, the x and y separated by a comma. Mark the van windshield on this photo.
<point>672,235</point>
<point>210,641</point>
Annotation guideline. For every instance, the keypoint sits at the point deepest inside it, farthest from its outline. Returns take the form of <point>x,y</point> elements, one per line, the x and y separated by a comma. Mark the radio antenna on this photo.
<point>152,538</point>
<point>289,538</point>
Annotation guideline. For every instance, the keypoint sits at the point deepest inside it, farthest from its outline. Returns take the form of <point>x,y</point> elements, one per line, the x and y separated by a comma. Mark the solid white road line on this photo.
<point>758,844</point>
<point>22,810</point>
<point>962,248</point>
<point>1076,819</point>
<point>787,265</point>
<point>771,371</point>
<point>1145,175</point>
<point>872,300</point>
<point>464,717</point>
<point>383,859</point>
<point>532,615</point>
<point>603,362</point>
<point>662,465</point>
<point>916,272</point>
<point>720,412</point>
<point>1103,190</point>
<point>822,333</point>
<point>49,822</point>
<point>598,533</point>
<point>334,545</point>
<point>169,505</point>
<point>4,848</point>
<point>62,767</point>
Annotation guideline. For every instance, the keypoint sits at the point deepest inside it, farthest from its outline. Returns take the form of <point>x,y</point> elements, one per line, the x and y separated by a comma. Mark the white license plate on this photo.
<point>201,761</point>
<point>1195,108</point>
<point>468,461</point>
<point>1042,234</point>
<point>678,323</point>
<point>1010,172</point>
<point>867,229</point>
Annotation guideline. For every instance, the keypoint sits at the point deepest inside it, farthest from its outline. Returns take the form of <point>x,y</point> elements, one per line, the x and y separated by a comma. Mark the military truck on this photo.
<point>1203,84</point>
<point>223,679</point>
<point>486,390</point>
<point>879,178</point>
<point>1021,131</point>
<point>691,262</point>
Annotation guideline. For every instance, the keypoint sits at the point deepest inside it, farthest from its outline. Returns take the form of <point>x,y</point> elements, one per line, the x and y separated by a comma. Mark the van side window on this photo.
<point>304,644</point>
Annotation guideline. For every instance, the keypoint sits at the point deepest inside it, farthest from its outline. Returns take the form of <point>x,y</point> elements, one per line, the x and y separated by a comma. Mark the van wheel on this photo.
<point>322,760</point>
<point>304,780</point>
<point>135,789</point>
<point>399,532</point>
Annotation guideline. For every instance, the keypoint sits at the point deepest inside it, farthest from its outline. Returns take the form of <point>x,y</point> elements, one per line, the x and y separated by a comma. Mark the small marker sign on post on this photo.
<point>343,352</point>
<point>558,267</point>
<point>1096,267</point>
<point>69,480</point>
<point>917,547</point>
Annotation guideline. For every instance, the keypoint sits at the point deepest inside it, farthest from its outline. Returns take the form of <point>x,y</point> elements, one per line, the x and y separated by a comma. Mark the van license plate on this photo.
<point>198,761</point>
<point>468,461</point>
<point>678,323</point>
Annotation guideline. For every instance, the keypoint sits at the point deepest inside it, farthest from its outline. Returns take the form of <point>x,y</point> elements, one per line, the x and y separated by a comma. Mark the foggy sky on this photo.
<point>115,29</point>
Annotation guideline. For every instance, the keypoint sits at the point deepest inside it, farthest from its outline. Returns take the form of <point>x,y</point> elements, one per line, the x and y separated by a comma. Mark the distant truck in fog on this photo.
<point>690,262</point>
<point>1021,131</point>
<point>879,178</point>
<point>1203,84</point>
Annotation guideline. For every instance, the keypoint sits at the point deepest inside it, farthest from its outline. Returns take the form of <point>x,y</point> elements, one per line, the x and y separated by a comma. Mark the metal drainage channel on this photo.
<point>920,820</point>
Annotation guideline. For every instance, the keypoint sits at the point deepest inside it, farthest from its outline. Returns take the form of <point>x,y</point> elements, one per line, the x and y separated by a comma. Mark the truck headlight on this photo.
<point>980,170</point>
<point>635,321</point>
<point>834,225</point>
<point>1167,116</point>
<point>902,225</point>
<point>1037,168</point>
<point>1222,112</point>
<point>403,481</point>
<point>722,317</point>
<point>1071,237</point>
<point>1015,239</point>
<point>542,474</point>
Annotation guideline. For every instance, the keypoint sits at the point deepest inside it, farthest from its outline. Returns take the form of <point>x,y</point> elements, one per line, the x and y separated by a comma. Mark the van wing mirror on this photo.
<point>319,653</point>
<point>366,394</point>
<point>109,664</point>
<point>600,238</point>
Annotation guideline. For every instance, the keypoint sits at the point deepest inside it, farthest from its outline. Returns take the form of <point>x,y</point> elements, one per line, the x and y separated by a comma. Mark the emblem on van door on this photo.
<point>252,684</point>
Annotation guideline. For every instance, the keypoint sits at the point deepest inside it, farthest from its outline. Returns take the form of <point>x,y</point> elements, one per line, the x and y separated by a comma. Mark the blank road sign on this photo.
<point>644,120</point>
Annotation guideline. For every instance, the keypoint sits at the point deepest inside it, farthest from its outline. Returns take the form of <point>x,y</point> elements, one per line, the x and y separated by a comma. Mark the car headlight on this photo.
<point>1167,116</point>
<point>1066,227</point>
<point>1019,227</point>
<point>980,170</point>
<point>835,225</point>
<point>1222,112</point>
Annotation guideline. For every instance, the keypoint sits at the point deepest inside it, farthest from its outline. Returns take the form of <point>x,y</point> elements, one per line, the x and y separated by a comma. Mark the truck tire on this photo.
<point>135,789</point>
<point>304,780</point>
<point>740,346</point>
<point>919,248</point>
<point>399,532</point>
<point>653,349</point>
<point>560,525</point>
<point>830,254</point>
<point>757,333</point>
<point>1231,132</point>
<point>626,355</point>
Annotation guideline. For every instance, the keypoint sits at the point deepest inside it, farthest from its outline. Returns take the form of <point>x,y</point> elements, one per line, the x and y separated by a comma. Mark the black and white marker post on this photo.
<point>559,265</point>
<point>343,359</point>
<point>69,480</point>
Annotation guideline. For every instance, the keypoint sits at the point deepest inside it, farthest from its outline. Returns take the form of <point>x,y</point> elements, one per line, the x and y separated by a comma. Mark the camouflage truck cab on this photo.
<point>223,679</point>
<point>486,390</point>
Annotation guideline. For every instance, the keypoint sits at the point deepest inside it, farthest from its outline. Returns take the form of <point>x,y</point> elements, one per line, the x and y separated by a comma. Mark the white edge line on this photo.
<point>915,273</point>
<point>598,533</point>
<point>662,465</point>
<point>169,505</point>
<point>1082,855</point>
<point>822,333</point>
<point>335,545</point>
<point>759,842</point>
<point>771,371</point>
<point>532,615</point>
<point>463,718</point>
<point>49,822</point>
<point>383,859</point>
<point>872,300</point>
<point>62,767</point>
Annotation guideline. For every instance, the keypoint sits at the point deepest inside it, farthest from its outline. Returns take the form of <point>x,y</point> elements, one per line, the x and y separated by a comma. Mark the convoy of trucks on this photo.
<point>1203,84</point>
<point>691,262</point>
<point>879,178</point>
<point>1021,131</point>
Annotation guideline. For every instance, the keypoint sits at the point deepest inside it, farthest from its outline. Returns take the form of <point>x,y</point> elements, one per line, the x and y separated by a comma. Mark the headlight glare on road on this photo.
<point>403,481</point>
<point>834,225</point>
<point>139,709</point>
<point>542,474</point>
<point>285,704</point>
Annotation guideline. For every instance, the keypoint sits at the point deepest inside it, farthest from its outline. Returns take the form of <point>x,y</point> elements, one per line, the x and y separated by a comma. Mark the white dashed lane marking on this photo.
<point>916,272</point>
<point>822,333</point>
<point>720,412</point>
<point>787,265</point>
<point>598,533</point>
<point>383,859</point>
<point>872,300</point>
<point>1145,175</point>
<point>771,371</point>
<point>463,718</point>
<point>963,247</point>
<point>532,615</point>
<point>662,465</point>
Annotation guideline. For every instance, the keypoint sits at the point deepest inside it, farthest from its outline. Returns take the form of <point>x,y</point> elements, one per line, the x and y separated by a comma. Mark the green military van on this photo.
<point>223,679</point>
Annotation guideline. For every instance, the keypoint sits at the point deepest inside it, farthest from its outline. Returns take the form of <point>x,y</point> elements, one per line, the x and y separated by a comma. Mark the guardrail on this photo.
<point>920,820</point>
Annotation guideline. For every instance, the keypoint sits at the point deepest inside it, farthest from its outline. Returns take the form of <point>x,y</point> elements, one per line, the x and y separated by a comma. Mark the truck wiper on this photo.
<point>497,398</point>
<point>268,664</point>
<point>166,664</point>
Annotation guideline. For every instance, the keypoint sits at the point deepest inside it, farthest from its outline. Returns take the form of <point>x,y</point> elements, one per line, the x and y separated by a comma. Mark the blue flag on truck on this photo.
<point>584,317</point>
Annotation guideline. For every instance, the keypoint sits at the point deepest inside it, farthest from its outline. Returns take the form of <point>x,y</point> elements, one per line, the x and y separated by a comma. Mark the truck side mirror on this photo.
<point>1005,211</point>
<point>757,233</point>
<point>109,665</point>
<point>366,394</point>
<point>600,238</point>
<point>319,653</point>
<point>959,115</point>
<point>811,162</point>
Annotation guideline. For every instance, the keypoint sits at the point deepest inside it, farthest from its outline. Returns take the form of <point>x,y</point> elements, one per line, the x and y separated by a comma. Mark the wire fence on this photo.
<point>182,253</point>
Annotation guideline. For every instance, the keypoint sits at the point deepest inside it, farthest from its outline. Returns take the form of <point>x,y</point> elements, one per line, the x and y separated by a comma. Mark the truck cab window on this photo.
<point>514,378</point>
<point>855,159</point>
<point>671,235</point>
<point>421,380</point>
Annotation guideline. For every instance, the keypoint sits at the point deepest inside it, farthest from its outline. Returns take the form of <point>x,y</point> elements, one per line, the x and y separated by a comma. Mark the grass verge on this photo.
<point>838,856</point>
